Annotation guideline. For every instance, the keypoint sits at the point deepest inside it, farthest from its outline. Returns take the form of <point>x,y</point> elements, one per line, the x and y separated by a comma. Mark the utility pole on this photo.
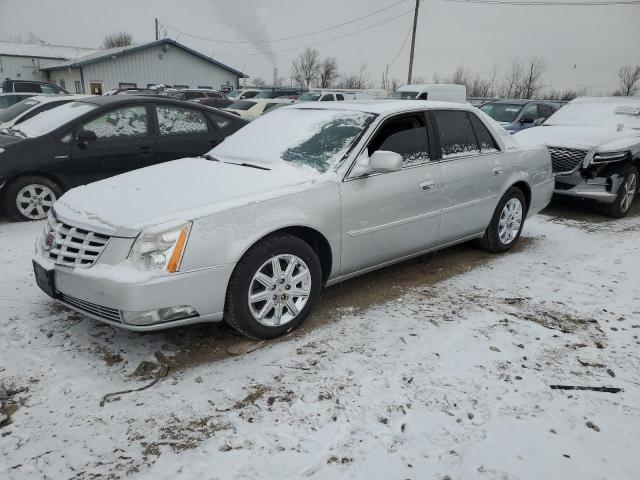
<point>413,40</point>
<point>158,33</point>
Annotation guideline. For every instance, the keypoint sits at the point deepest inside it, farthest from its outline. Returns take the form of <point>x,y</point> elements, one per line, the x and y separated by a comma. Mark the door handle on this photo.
<point>498,171</point>
<point>145,149</point>
<point>428,185</point>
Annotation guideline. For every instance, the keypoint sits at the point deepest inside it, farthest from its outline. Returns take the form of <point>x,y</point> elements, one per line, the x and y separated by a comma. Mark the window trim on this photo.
<point>480,153</point>
<point>372,133</point>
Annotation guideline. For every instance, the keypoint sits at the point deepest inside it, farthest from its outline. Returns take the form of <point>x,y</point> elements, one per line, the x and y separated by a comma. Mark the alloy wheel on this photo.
<point>510,221</point>
<point>279,290</point>
<point>35,201</point>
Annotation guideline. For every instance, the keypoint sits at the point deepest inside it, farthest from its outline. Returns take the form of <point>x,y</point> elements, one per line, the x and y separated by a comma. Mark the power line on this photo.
<point>402,47</point>
<point>290,37</point>
<point>549,2</point>
<point>320,42</point>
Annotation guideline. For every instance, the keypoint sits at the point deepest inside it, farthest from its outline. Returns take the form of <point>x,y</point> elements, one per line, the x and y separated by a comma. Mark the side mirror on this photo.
<point>86,136</point>
<point>539,121</point>
<point>383,162</point>
<point>527,119</point>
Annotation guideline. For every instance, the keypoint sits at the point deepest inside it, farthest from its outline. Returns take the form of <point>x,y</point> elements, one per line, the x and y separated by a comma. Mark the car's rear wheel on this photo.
<point>506,224</point>
<point>30,198</point>
<point>273,287</point>
<point>626,194</point>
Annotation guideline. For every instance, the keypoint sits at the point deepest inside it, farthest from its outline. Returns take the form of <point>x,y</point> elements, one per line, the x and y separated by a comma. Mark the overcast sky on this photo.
<point>581,45</point>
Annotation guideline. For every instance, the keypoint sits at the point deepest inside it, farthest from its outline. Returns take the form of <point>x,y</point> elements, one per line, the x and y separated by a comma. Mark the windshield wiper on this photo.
<point>244,164</point>
<point>209,157</point>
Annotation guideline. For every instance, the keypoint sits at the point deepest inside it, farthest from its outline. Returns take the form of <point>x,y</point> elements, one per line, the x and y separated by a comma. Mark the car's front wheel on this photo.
<point>506,224</point>
<point>30,198</point>
<point>273,287</point>
<point>626,194</point>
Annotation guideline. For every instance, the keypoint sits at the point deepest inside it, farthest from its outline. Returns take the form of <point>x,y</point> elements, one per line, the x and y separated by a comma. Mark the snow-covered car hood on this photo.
<point>579,137</point>
<point>183,189</point>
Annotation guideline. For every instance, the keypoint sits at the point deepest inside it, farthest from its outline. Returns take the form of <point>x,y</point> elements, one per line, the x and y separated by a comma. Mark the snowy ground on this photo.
<point>450,378</point>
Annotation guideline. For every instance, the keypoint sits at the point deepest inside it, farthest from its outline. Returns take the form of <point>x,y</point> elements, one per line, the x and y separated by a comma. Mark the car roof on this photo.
<point>513,101</point>
<point>24,94</point>
<point>52,97</point>
<point>617,100</point>
<point>383,106</point>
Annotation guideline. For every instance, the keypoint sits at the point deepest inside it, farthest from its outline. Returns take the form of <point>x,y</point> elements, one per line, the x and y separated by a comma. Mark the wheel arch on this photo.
<point>312,237</point>
<point>37,173</point>
<point>525,188</point>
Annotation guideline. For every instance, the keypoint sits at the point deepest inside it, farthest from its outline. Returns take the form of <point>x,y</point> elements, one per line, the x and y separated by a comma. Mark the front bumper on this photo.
<point>599,189</point>
<point>105,293</point>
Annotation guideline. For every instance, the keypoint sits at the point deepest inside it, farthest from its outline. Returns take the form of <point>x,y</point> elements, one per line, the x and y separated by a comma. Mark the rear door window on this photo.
<point>26,87</point>
<point>339,96</point>
<point>485,139</point>
<point>457,138</point>
<point>328,97</point>
<point>180,121</point>
<point>406,135</point>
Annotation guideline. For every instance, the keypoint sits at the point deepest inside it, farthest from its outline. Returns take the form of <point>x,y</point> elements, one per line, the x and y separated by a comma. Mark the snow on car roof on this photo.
<point>382,106</point>
<point>618,100</point>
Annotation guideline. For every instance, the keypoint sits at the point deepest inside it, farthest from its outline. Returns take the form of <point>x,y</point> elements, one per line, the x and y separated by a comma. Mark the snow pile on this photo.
<point>448,380</point>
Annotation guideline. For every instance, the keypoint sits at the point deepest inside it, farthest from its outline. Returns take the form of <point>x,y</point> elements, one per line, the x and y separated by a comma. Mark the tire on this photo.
<point>492,240</point>
<point>269,297</point>
<point>626,194</point>
<point>34,194</point>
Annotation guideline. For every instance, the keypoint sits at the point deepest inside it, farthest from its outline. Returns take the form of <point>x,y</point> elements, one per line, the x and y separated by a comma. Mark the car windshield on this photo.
<point>242,105</point>
<point>51,119</point>
<point>19,108</point>
<point>309,97</point>
<point>502,112</point>
<point>405,94</point>
<point>609,114</point>
<point>233,93</point>
<point>315,138</point>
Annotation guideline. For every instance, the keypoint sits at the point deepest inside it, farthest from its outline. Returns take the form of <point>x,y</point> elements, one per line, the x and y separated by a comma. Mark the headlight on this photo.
<point>605,157</point>
<point>161,247</point>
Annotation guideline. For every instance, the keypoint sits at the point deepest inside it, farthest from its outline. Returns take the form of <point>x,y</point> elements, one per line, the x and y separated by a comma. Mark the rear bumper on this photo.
<point>104,296</point>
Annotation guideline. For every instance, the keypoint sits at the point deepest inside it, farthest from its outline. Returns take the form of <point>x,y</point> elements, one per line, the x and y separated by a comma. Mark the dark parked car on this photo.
<point>292,93</point>
<point>9,99</point>
<point>516,115</point>
<point>213,102</point>
<point>98,137</point>
<point>33,86</point>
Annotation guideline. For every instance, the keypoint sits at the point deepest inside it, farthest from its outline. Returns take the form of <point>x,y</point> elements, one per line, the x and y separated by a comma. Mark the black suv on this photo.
<point>98,137</point>
<point>33,86</point>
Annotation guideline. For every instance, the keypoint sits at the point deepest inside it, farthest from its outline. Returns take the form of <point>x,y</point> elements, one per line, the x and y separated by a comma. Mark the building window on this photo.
<point>127,85</point>
<point>78,86</point>
<point>62,83</point>
<point>180,87</point>
<point>205,87</point>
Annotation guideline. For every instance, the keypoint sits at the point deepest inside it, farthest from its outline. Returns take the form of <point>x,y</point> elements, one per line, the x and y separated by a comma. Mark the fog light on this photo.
<point>163,315</point>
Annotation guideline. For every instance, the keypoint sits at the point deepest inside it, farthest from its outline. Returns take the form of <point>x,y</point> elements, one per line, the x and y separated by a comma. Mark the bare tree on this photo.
<point>118,39</point>
<point>357,80</point>
<point>27,37</point>
<point>532,77</point>
<point>510,86</point>
<point>280,82</point>
<point>436,78</point>
<point>306,68</point>
<point>328,72</point>
<point>567,94</point>
<point>629,76</point>
<point>258,82</point>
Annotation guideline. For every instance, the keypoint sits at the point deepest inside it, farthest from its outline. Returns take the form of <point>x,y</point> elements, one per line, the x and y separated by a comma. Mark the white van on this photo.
<point>441,92</point>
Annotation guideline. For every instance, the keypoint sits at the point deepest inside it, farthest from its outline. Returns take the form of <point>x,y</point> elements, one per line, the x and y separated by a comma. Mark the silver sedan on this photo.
<point>305,197</point>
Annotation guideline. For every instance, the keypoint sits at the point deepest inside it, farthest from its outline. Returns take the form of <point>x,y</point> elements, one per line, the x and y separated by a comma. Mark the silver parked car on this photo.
<point>595,150</point>
<point>307,196</point>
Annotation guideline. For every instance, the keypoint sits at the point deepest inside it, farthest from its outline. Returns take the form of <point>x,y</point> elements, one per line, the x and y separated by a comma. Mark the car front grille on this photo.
<point>99,311</point>
<point>566,160</point>
<point>75,247</point>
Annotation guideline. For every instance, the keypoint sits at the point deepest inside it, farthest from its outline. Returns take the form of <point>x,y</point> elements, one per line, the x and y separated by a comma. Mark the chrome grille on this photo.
<point>75,247</point>
<point>566,160</point>
<point>83,306</point>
